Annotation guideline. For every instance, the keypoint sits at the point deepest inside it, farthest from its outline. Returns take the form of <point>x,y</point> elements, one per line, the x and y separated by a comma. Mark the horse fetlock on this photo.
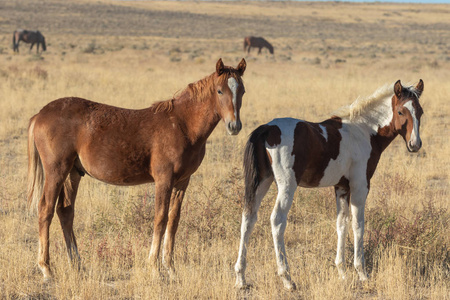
<point>240,281</point>
<point>288,283</point>
<point>341,270</point>
<point>361,272</point>
<point>45,269</point>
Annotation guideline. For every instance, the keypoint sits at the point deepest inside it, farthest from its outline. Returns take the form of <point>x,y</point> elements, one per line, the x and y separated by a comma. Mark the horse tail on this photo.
<point>35,171</point>
<point>256,164</point>
<point>14,41</point>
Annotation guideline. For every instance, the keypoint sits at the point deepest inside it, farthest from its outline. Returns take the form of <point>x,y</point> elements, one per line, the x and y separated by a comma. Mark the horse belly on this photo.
<point>117,169</point>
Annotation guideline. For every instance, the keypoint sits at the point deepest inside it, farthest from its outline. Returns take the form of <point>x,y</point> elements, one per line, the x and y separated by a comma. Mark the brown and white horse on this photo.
<point>342,152</point>
<point>164,143</point>
<point>257,42</point>
<point>29,37</point>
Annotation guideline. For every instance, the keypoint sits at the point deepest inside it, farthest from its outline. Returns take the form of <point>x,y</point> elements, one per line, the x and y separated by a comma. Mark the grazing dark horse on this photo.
<point>342,151</point>
<point>257,42</point>
<point>164,144</point>
<point>29,37</point>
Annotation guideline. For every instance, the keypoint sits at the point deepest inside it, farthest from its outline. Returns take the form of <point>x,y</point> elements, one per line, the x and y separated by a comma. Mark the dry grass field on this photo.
<point>133,53</point>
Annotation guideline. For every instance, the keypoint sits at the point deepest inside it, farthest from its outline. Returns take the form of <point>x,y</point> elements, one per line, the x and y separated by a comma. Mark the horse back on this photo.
<point>309,149</point>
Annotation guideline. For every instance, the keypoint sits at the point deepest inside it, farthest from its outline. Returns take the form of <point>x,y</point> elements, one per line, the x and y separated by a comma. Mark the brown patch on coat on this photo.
<point>312,152</point>
<point>274,136</point>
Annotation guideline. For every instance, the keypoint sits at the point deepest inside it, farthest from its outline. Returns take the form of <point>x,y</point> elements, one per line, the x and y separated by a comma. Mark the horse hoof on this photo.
<point>289,285</point>
<point>244,287</point>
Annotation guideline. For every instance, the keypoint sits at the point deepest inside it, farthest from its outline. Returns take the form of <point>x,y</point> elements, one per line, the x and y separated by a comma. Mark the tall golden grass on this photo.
<point>407,212</point>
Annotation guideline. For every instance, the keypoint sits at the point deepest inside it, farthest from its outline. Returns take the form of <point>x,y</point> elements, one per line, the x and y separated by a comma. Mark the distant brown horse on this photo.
<point>164,144</point>
<point>29,37</point>
<point>257,42</point>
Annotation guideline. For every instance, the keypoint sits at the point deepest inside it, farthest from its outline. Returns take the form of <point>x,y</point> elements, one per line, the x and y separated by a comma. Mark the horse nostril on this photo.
<point>239,126</point>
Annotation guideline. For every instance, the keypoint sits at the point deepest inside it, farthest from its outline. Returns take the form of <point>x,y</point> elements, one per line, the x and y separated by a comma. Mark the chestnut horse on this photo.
<point>29,37</point>
<point>257,42</point>
<point>342,151</point>
<point>164,144</point>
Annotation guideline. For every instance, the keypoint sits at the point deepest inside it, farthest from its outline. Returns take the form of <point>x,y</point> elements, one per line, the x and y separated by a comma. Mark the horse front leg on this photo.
<point>176,200</point>
<point>278,220</point>
<point>342,204</point>
<point>358,202</point>
<point>163,189</point>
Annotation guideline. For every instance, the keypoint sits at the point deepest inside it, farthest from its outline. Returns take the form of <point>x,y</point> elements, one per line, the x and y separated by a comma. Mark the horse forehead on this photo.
<point>233,84</point>
<point>414,107</point>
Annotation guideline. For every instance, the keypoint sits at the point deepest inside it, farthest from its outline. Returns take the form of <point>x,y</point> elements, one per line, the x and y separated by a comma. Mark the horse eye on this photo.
<point>219,92</point>
<point>400,113</point>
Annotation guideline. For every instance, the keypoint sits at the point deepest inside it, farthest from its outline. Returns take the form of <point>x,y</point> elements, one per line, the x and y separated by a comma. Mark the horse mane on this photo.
<point>362,105</point>
<point>199,90</point>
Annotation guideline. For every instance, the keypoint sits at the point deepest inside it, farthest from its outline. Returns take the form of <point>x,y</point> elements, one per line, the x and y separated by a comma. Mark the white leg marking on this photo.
<point>247,225</point>
<point>358,202</point>
<point>341,228</point>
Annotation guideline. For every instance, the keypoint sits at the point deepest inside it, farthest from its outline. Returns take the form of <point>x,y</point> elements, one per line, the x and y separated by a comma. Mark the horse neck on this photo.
<point>378,122</point>
<point>197,117</point>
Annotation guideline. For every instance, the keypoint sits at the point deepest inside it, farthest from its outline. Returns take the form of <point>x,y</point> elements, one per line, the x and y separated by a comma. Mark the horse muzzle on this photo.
<point>414,147</point>
<point>233,127</point>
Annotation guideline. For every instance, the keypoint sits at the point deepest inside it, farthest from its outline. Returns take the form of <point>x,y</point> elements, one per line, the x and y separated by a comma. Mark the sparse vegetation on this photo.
<point>132,54</point>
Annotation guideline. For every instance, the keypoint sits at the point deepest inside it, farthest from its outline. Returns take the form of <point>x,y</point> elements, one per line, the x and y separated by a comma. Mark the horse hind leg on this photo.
<point>65,210</point>
<point>249,218</point>
<point>278,218</point>
<point>46,209</point>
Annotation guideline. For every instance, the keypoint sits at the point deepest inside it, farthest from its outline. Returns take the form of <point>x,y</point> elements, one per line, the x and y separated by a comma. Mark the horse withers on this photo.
<point>29,37</point>
<point>164,144</point>
<point>256,42</point>
<point>342,152</point>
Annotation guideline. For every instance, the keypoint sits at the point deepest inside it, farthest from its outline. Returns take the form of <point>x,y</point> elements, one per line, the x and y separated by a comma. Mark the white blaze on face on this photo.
<point>415,137</point>
<point>233,85</point>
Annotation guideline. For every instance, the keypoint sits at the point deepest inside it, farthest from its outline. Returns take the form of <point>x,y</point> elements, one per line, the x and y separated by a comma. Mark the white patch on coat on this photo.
<point>282,157</point>
<point>354,153</point>
<point>324,132</point>
<point>233,85</point>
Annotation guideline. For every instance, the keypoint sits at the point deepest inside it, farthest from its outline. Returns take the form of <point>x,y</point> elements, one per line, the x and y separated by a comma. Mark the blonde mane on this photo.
<point>362,105</point>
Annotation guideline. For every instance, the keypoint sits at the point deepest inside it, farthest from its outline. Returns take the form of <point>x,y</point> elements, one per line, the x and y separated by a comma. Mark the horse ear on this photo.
<point>398,89</point>
<point>242,66</point>
<point>219,67</point>
<point>419,88</point>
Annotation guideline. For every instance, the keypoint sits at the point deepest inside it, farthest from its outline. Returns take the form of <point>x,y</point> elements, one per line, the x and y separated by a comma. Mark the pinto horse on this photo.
<point>257,42</point>
<point>342,151</point>
<point>164,144</point>
<point>29,37</point>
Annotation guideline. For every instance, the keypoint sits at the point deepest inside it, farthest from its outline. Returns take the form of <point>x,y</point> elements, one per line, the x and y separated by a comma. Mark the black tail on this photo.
<point>256,164</point>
